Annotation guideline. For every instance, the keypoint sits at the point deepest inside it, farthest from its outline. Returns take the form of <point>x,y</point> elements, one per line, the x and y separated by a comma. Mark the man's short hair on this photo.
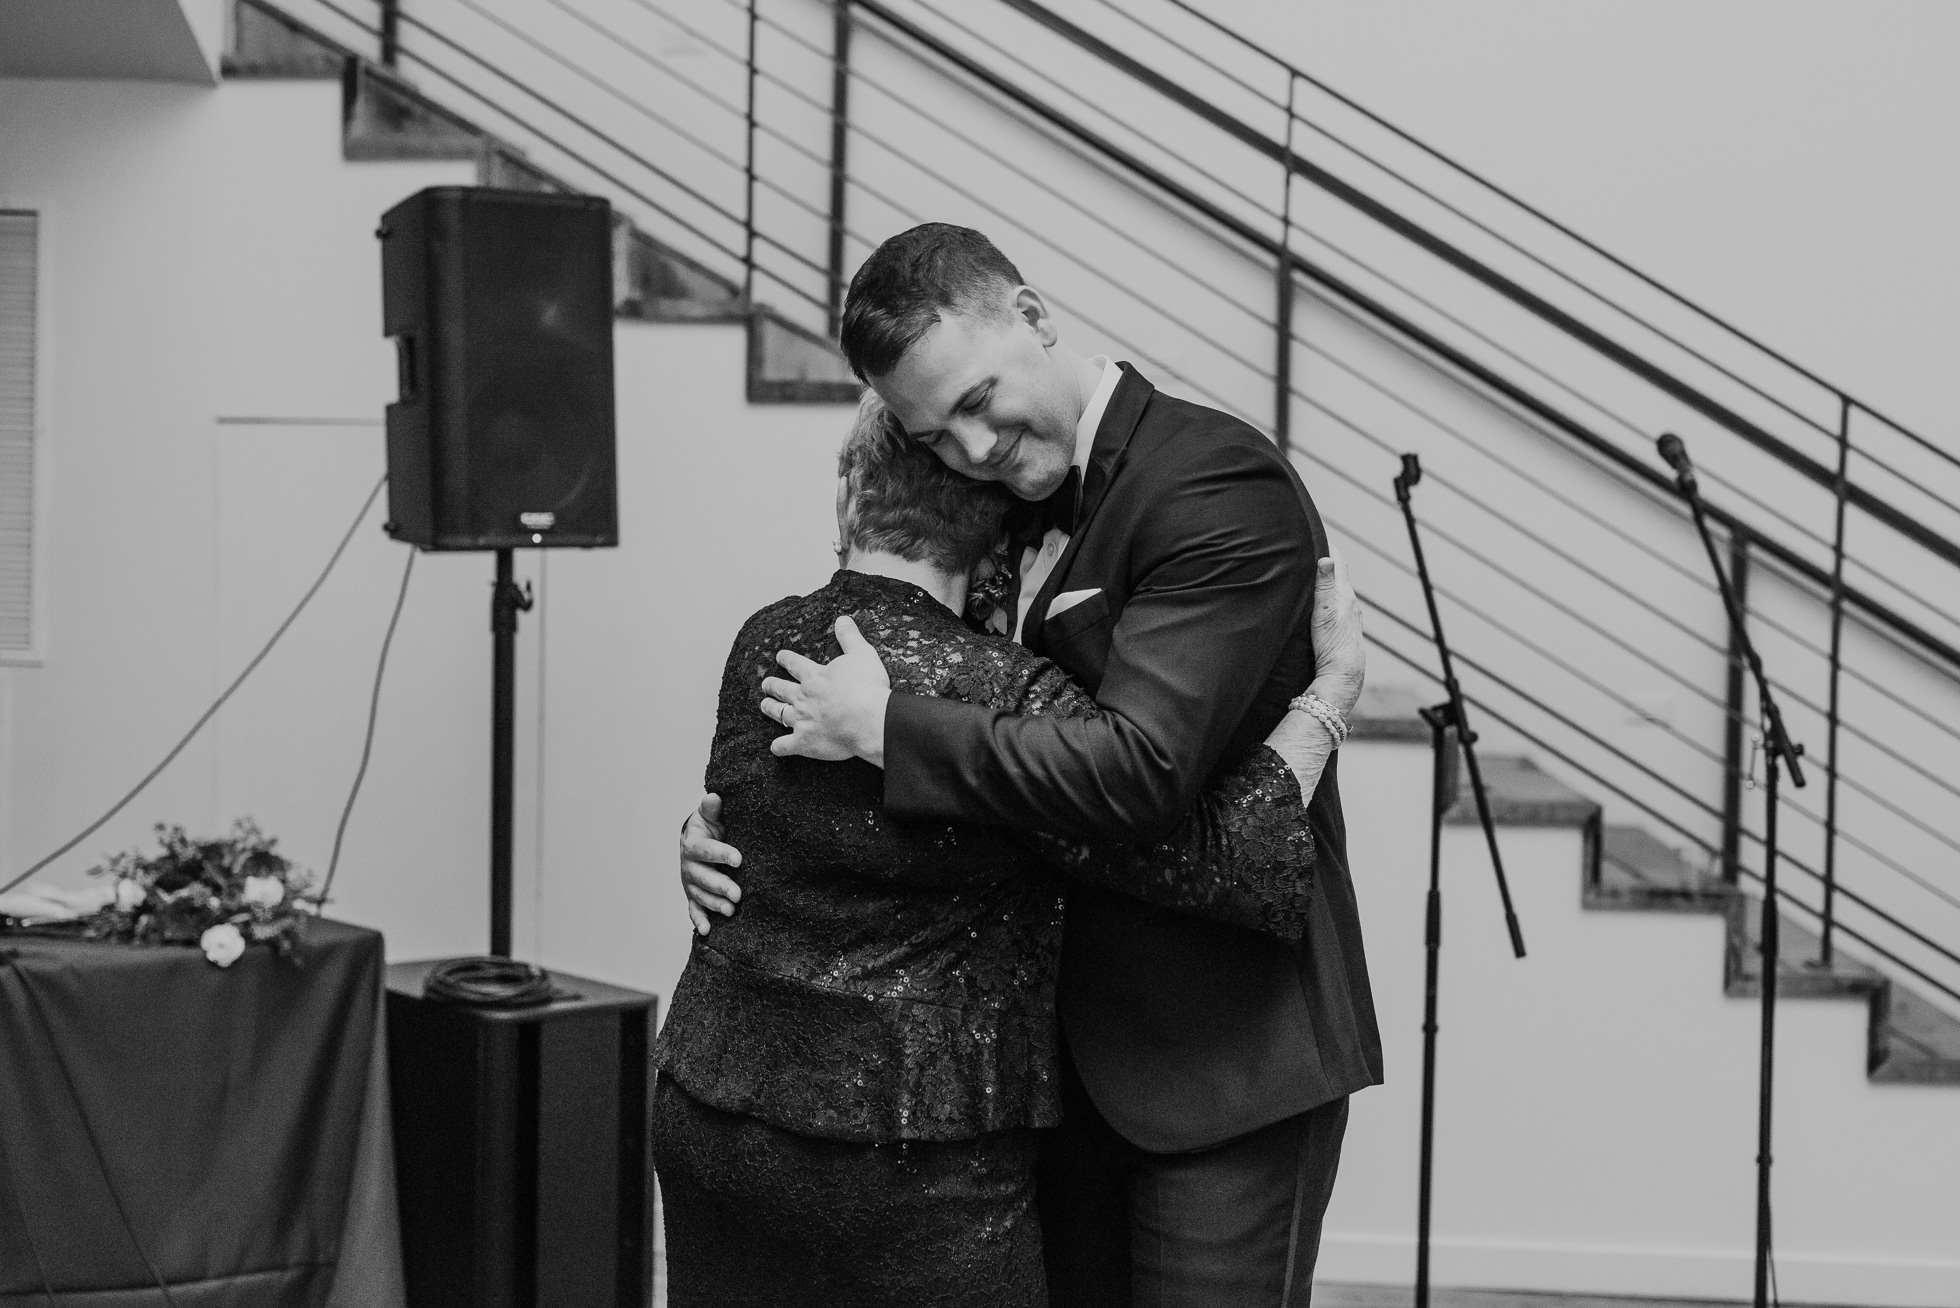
<point>904,501</point>
<point>909,282</point>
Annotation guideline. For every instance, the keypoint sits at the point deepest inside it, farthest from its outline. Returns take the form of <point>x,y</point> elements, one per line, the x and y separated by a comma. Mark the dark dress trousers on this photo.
<point>1203,543</point>
<point>852,1066</point>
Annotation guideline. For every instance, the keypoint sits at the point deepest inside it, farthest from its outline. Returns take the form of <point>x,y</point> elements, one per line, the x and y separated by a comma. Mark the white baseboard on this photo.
<point>1803,1277</point>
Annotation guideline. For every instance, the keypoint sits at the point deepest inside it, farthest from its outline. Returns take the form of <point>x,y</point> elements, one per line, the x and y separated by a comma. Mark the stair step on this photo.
<point>385,118</point>
<point>265,44</point>
<point>1912,1042</point>
<point>504,166</point>
<point>792,365</point>
<point>1521,794</point>
<point>1388,712</point>
<point>1636,871</point>
<point>1797,973</point>
<point>656,284</point>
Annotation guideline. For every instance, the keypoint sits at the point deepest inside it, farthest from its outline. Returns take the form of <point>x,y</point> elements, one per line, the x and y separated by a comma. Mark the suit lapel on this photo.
<point>1119,423</point>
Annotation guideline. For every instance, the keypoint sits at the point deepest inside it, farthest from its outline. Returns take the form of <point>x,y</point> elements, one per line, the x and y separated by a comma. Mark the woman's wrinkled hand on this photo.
<point>705,862</point>
<point>1340,651</point>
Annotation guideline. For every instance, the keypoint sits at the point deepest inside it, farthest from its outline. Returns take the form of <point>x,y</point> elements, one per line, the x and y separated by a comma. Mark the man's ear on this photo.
<point>1031,309</point>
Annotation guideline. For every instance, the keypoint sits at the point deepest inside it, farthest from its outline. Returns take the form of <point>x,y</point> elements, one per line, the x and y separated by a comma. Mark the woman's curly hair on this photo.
<point>903,500</point>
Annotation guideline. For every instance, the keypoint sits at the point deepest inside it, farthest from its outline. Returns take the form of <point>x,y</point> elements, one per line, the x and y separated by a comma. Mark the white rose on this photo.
<point>266,891</point>
<point>222,944</point>
<point>130,894</point>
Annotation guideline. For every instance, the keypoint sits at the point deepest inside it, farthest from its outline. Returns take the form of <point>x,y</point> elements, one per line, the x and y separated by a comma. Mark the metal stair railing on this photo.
<point>777,140</point>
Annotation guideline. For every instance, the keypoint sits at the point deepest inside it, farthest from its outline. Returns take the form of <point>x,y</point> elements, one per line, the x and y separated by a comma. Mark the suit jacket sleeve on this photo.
<point>1243,854</point>
<point>1222,570</point>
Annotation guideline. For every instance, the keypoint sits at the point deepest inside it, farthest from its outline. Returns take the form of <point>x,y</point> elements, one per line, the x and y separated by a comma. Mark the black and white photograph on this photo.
<point>979,654</point>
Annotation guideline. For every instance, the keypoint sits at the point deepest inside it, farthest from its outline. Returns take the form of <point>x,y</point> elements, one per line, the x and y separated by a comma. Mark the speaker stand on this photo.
<point>507,600</point>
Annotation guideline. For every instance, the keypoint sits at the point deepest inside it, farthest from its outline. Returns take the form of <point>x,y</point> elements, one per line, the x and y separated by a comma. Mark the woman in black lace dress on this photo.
<point>854,1068</point>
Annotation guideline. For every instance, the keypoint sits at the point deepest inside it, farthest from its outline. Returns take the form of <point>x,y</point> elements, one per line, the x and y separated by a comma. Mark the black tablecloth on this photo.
<point>221,1130</point>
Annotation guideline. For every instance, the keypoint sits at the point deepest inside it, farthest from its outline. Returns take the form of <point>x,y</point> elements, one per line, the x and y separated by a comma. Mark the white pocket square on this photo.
<point>1068,599</point>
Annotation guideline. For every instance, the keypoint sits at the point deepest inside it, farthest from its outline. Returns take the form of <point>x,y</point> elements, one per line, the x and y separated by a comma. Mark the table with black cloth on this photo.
<point>223,1131</point>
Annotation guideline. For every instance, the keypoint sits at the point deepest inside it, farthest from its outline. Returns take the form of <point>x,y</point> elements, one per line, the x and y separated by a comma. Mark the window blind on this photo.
<point>19,259</point>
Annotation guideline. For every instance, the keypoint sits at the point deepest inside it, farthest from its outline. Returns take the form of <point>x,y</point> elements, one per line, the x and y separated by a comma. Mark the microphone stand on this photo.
<point>1778,752</point>
<point>1442,718</point>
<point>507,600</point>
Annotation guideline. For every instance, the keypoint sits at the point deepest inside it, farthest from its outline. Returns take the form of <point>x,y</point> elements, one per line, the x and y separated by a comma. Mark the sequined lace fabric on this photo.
<point>888,980</point>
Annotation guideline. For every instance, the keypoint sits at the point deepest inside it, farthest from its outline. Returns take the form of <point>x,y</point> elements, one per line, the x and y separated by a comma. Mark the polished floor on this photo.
<point>1389,1296</point>
<point>1386,1296</point>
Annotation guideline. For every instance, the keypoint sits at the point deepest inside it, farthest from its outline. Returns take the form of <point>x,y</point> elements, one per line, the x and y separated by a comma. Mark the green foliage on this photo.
<point>194,885</point>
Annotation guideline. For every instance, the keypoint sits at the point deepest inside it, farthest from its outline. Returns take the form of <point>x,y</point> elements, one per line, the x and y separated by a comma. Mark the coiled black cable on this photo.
<point>484,981</point>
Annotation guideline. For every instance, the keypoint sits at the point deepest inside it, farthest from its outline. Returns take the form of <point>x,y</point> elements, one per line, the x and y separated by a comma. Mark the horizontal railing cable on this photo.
<point>1517,247</point>
<point>1611,458</point>
<point>1784,894</point>
<point>1098,216</point>
<point>1578,674</point>
<point>903,209</point>
<point>1561,606</point>
<point>1631,648</point>
<point>1692,576</point>
<point>1324,278</point>
<point>1185,49</point>
<point>1561,228</point>
<point>1471,370</point>
<point>1892,864</point>
<point>1917,483</point>
<point>581,160</point>
<point>1795,696</point>
<point>1607,747</point>
<point>582,124</point>
<point>1393,221</point>
<point>1122,285</point>
<point>653,115</point>
<point>1232,188</point>
<point>1606,580</point>
<point>1638,430</point>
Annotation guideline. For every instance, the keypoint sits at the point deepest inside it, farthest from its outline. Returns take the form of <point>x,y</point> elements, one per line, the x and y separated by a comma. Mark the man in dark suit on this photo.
<point>1208,1070</point>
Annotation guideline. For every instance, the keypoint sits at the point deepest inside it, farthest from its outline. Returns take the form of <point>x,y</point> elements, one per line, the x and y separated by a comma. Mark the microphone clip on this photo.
<point>1411,474</point>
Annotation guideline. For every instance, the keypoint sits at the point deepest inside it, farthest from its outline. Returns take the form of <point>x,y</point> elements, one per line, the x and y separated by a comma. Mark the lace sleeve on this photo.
<point>1243,855</point>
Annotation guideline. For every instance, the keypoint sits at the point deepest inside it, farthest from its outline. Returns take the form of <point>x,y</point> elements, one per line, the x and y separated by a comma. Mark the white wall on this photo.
<point>1596,1119</point>
<point>1787,163</point>
<point>213,261</point>
<point>213,428</point>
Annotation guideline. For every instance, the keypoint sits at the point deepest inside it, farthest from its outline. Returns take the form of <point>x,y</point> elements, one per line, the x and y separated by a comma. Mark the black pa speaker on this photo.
<point>500,304</point>
<point>522,1159</point>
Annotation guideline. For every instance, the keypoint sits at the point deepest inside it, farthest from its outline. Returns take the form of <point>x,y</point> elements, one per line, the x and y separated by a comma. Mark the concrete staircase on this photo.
<point>384,117</point>
<point>1626,869</point>
<point>1623,868</point>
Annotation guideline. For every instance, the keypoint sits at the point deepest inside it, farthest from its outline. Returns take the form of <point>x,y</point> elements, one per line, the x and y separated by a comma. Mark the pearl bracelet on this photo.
<point>1323,712</point>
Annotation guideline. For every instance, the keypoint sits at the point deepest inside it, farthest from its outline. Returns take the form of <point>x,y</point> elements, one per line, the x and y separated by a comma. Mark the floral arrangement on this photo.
<point>218,894</point>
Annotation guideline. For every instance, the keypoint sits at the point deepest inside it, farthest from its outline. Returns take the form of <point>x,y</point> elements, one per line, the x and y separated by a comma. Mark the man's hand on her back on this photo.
<point>833,710</point>
<point>708,890</point>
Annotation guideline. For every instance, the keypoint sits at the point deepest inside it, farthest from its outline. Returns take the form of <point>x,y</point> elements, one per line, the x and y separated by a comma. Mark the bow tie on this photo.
<point>1063,507</point>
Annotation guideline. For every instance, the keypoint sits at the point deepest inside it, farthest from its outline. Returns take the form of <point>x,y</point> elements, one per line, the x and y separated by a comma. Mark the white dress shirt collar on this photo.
<point>1092,413</point>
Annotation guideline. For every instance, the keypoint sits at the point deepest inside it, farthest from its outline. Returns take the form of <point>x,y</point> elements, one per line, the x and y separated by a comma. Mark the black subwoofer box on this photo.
<point>521,1149</point>
<point>500,305</point>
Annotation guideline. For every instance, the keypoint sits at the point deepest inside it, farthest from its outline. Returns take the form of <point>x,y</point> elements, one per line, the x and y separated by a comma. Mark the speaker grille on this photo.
<point>504,302</point>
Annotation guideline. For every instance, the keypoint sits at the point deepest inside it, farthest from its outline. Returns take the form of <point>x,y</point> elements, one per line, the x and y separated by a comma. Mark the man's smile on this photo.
<point>1002,460</point>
